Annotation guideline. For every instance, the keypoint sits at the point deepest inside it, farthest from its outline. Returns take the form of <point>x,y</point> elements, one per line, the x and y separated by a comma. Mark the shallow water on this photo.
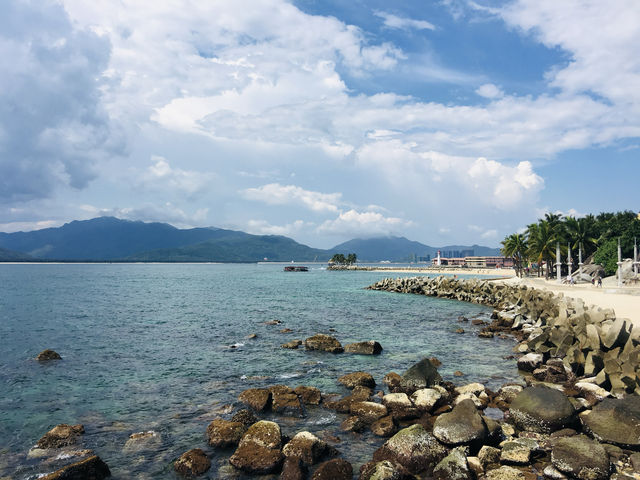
<point>147,347</point>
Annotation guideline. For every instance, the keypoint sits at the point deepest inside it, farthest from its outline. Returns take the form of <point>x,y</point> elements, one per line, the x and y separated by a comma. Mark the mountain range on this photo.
<point>113,239</point>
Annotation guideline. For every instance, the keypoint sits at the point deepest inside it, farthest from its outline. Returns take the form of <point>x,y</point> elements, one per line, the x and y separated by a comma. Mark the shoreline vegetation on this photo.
<point>575,414</point>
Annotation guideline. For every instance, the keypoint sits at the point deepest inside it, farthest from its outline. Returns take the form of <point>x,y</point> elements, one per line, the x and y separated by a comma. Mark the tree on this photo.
<point>581,233</point>
<point>340,259</point>
<point>515,246</point>
<point>351,259</point>
<point>543,244</point>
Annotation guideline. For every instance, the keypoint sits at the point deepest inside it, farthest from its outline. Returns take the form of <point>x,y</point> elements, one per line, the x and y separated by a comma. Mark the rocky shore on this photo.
<point>575,415</point>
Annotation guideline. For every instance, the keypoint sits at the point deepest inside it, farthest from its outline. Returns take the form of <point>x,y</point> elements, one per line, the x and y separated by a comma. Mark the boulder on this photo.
<point>258,399</point>
<point>259,449</point>
<point>515,453</point>
<point>530,361</point>
<point>421,375</point>
<point>355,379</point>
<point>615,421</point>
<point>245,417</point>
<point>292,345</point>
<point>414,448</point>
<point>488,455</point>
<point>505,473</point>
<point>323,343</point>
<point>384,470</point>
<point>225,433</point>
<point>426,399</point>
<point>61,436</point>
<point>309,448</point>
<point>285,401</point>
<point>353,424</point>
<point>364,348</point>
<point>541,409</point>
<point>192,463</point>
<point>336,469</point>
<point>47,355</point>
<point>309,395</point>
<point>384,427</point>
<point>581,457</point>
<point>463,425</point>
<point>92,468</point>
<point>293,469</point>
<point>368,411</point>
<point>453,467</point>
<point>400,406</point>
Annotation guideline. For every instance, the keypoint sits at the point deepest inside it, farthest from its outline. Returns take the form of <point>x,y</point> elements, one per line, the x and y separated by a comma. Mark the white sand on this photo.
<point>625,301</point>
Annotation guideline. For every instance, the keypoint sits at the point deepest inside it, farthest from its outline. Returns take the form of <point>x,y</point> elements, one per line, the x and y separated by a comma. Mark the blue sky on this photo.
<point>452,121</point>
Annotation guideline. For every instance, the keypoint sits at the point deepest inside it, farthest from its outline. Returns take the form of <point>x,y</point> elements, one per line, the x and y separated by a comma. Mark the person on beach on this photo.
<point>599,282</point>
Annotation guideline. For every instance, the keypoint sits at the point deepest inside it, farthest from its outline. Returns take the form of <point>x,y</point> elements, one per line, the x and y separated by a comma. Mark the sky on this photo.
<point>447,121</point>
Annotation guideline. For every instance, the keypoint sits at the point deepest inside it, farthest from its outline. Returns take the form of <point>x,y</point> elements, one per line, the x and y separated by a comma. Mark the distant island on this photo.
<point>116,240</point>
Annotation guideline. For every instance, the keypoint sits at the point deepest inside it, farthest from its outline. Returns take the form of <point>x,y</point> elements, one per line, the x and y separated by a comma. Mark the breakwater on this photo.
<point>590,342</point>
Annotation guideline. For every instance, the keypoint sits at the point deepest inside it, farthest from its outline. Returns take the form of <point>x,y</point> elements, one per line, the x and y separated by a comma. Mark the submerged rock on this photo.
<point>336,469</point>
<point>92,468</point>
<point>48,354</point>
<point>142,441</point>
<point>61,436</point>
<point>364,348</point>
<point>293,469</point>
<point>324,343</point>
<point>292,345</point>
<point>192,463</point>
<point>541,409</point>
<point>355,379</point>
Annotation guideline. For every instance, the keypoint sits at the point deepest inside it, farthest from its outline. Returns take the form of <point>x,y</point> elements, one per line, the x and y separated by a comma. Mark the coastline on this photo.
<point>494,272</point>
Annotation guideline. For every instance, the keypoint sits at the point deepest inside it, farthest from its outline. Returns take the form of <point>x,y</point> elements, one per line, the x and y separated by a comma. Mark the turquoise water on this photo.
<point>148,347</point>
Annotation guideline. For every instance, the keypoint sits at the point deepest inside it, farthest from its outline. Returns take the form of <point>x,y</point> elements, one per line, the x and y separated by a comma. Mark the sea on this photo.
<point>166,348</point>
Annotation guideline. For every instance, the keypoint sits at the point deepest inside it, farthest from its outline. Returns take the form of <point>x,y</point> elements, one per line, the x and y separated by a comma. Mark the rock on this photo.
<point>309,448</point>
<point>245,417</point>
<point>323,343</point>
<point>286,330</point>
<point>475,466</point>
<point>272,322</point>
<point>309,395</point>
<point>359,394</point>
<point>364,348</point>
<point>353,424</point>
<point>421,375</point>
<point>293,469</point>
<point>400,406</point>
<point>336,469</point>
<point>505,473</point>
<point>192,463</point>
<point>355,379</point>
<point>252,336</point>
<point>475,388</point>
<point>285,401</point>
<point>508,393</point>
<point>615,421</point>
<point>488,455</point>
<point>259,449</point>
<point>426,399</point>
<point>148,440</point>
<point>459,330</point>
<point>384,427</point>
<point>458,373</point>
<point>541,409</point>
<point>47,355</point>
<point>258,399</point>
<point>530,361</point>
<point>392,380</point>
<point>453,467</point>
<point>515,453</point>
<point>225,433</point>
<point>92,468</point>
<point>592,392</point>
<point>414,448</point>
<point>580,457</point>
<point>384,470</point>
<point>463,425</point>
<point>292,345</point>
<point>485,334</point>
<point>368,411</point>
<point>61,436</point>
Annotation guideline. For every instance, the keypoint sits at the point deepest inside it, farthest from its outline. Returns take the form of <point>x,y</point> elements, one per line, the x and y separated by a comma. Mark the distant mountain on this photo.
<point>400,249</point>
<point>12,256</point>
<point>106,238</point>
<point>249,248</point>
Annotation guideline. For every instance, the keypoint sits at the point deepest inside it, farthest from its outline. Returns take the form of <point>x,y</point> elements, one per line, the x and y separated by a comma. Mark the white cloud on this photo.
<point>166,212</point>
<point>489,90</point>
<point>404,23</point>
<point>276,194</point>
<point>354,223</point>
<point>161,176</point>
<point>489,234</point>
<point>262,227</point>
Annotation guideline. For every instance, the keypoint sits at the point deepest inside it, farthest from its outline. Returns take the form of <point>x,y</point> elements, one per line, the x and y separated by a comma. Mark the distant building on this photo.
<point>475,262</point>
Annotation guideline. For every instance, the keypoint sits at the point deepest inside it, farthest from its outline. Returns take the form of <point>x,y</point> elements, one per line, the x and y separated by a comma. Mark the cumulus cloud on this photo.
<point>276,194</point>
<point>354,223</point>
<point>262,227</point>
<point>403,23</point>
<point>161,176</point>
<point>166,213</point>
<point>53,125</point>
<point>489,90</point>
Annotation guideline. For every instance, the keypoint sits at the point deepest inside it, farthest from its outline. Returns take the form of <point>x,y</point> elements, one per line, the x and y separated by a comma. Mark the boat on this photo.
<point>296,268</point>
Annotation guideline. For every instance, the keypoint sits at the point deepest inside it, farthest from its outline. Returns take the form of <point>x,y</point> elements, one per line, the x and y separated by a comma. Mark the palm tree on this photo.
<point>543,243</point>
<point>581,232</point>
<point>515,246</point>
